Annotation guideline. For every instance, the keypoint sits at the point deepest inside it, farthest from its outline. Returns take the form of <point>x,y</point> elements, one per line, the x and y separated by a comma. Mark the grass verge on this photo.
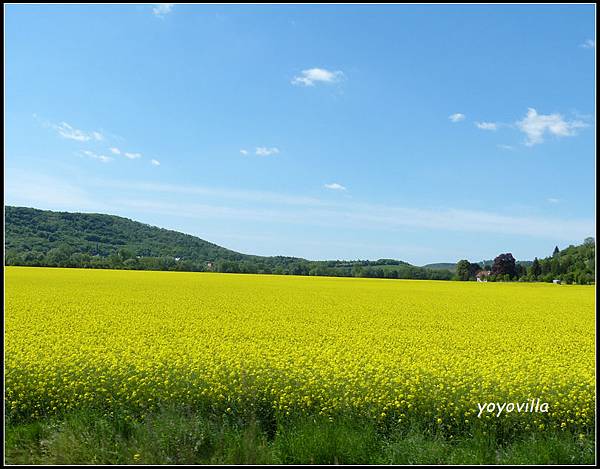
<point>184,436</point>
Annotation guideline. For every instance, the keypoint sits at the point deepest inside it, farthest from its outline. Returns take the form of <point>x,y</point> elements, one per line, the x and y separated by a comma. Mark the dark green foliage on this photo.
<point>504,267</point>
<point>88,240</point>
<point>462,269</point>
<point>466,270</point>
<point>575,264</point>
<point>535,270</point>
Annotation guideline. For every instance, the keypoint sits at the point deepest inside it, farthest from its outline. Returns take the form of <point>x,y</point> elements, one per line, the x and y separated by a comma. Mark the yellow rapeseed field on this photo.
<point>397,350</point>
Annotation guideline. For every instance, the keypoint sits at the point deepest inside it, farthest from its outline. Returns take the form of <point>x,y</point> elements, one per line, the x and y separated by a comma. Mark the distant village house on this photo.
<point>483,275</point>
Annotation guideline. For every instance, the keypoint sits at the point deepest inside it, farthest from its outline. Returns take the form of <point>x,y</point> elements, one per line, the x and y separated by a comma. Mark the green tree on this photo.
<point>462,270</point>
<point>59,256</point>
<point>535,270</point>
<point>505,264</point>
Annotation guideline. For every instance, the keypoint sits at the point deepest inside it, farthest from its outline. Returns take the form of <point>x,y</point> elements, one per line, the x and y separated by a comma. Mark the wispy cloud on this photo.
<point>155,162</point>
<point>317,75</point>
<point>244,152</point>
<point>133,156</point>
<point>503,146</point>
<point>335,186</point>
<point>486,125</point>
<point>28,189</point>
<point>95,156</point>
<point>535,126</point>
<point>162,9</point>
<point>553,200</point>
<point>71,133</point>
<point>457,117</point>
<point>115,151</point>
<point>588,44</point>
<point>282,208</point>
<point>265,151</point>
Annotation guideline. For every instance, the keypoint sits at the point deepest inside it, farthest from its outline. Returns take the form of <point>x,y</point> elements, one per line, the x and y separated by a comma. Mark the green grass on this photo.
<point>183,436</point>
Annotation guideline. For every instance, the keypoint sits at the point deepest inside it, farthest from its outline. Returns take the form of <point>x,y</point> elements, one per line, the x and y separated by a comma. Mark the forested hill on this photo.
<point>63,239</point>
<point>574,264</point>
<point>41,231</point>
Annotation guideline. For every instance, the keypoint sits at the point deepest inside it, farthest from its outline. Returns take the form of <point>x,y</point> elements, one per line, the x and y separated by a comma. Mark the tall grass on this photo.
<point>185,436</point>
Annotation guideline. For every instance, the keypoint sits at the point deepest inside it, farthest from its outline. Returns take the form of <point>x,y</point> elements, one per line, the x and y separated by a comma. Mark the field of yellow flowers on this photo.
<point>389,350</point>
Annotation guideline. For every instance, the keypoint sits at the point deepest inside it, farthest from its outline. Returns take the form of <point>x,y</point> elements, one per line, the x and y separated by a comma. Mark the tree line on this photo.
<point>575,264</point>
<point>66,256</point>
<point>98,241</point>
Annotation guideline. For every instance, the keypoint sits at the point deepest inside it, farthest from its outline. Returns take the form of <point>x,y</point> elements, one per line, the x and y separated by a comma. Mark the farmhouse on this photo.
<point>482,275</point>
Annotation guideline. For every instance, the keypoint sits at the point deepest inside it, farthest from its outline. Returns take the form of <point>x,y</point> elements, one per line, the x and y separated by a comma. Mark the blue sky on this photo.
<point>424,133</point>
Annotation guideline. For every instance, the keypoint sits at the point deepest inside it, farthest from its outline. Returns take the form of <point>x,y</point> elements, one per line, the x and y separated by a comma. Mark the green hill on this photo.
<point>451,266</point>
<point>40,231</point>
<point>574,264</point>
<point>91,240</point>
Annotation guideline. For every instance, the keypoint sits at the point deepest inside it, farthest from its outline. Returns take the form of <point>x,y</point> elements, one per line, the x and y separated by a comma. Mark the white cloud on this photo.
<point>103,158</point>
<point>486,125</point>
<point>457,117</point>
<point>244,152</point>
<point>317,75</point>
<point>28,189</point>
<point>155,162</point>
<point>133,156</point>
<point>535,125</point>
<point>66,131</point>
<point>283,208</point>
<point>335,186</point>
<point>503,146</point>
<point>354,215</point>
<point>162,9</point>
<point>264,151</point>
<point>115,151</point>
<point>553,200</point>
<point>588,44</point>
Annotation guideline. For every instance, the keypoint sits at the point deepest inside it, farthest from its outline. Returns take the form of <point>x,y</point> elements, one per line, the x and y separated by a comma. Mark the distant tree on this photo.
<point>115,261</point>
<point>125,254</point>
<point>504,265</point>
<point>536,270</point>
<point>59,256</point>
<point>589,241</point>
<point>12,257</point>
<point>568,278</point>
<point>547,278</point>
<point>556,251</point>
<point>131,264</point>
<point>391,273</point>
<point>555,266</point>
<point>462,270</point>
<point>473,269</point>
